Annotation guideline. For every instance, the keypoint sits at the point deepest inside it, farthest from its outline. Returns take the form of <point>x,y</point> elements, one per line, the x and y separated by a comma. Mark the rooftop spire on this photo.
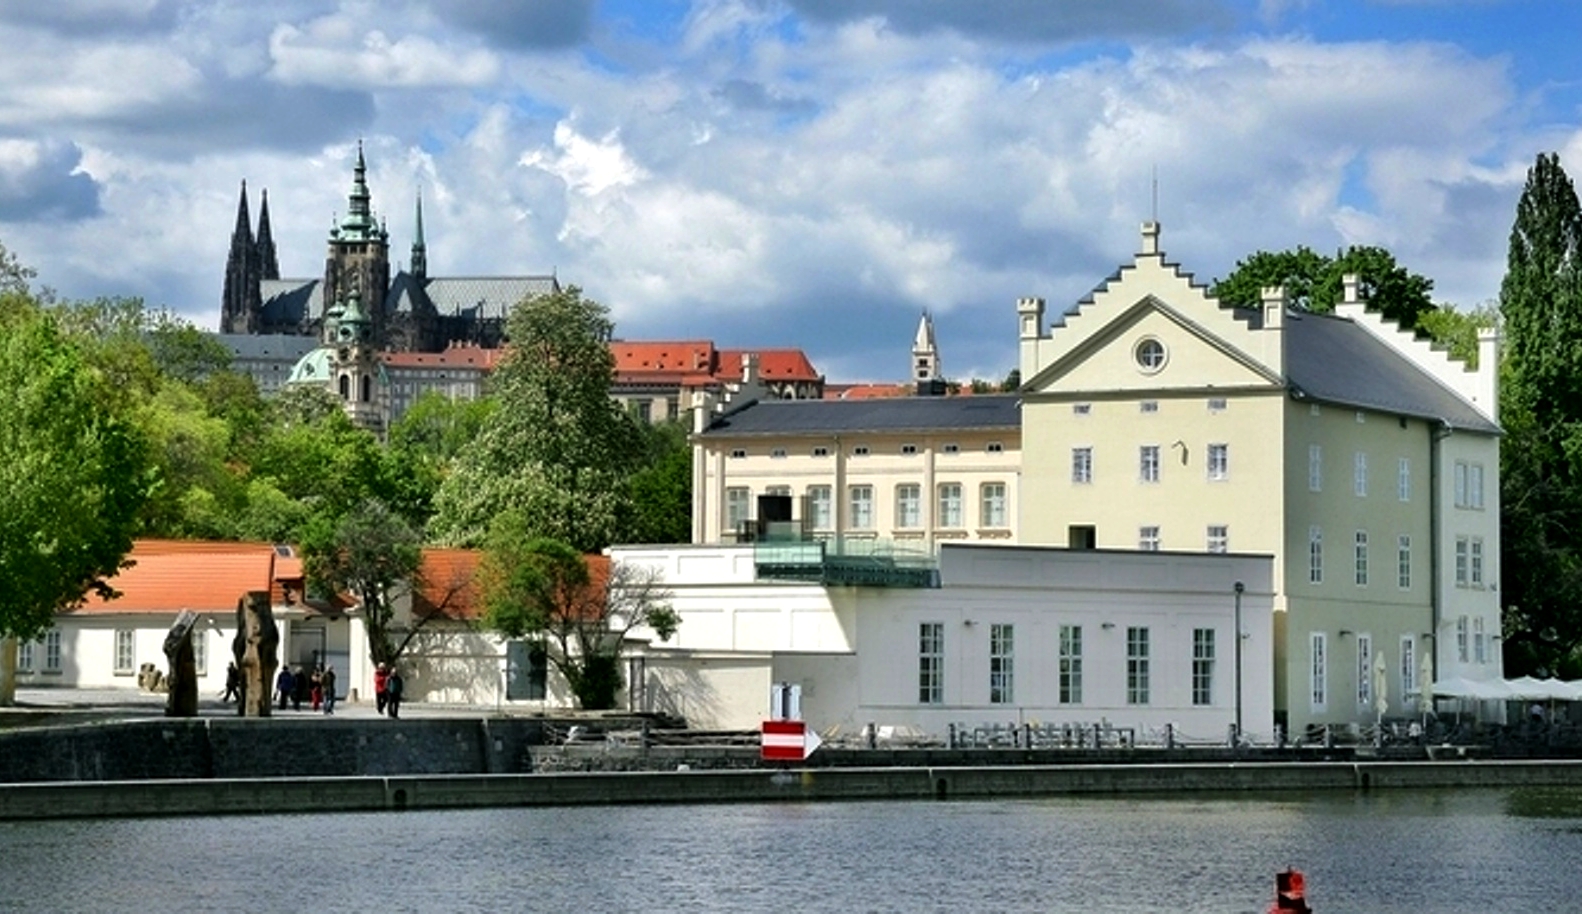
<point>244,222</point>
<point>359,223</point>
<point>419,248</point>
<point>268,263</point>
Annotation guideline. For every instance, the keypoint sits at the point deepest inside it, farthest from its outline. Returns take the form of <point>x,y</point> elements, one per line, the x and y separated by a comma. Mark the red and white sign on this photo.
<point>788,741</point>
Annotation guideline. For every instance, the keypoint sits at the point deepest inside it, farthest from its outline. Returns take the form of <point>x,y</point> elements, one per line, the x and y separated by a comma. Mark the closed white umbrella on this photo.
<point>1381,683</point>
<point>1425,681</point>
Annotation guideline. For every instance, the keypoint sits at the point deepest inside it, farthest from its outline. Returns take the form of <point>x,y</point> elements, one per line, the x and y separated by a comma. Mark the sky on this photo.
<point>781,173</point>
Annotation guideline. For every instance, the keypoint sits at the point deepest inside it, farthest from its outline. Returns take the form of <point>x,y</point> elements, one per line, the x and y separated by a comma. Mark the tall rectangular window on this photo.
<point>1359,474</point>
<point>1475,486</point>
<point>861,507</point>
<point>931,663</point>
<point>1071,664</point>
<point>1480,642</point>
<point>1318,672</point>
<point>52,651</point>
<point>24,657</point>
<point>1148,463</point>
<point>1361,552</point>
<point>1082,465</point>
<point>1219,461</point>
<point>1462,550</point>
<point>993,504</point>
<point>819,515</point>
<point>1315,468</point>
<point>1218,538</point>
<point>1002,665</point>
<point>1403,562</point>
<point>1315,555</point>
<point>738,507</point>
<point>125,650</point>
<point>1202,666</point>
<point>950,505</point>
<point>200,650</point>
<point>1459,477</point>
<point>908,505</point>
<point>1148,539</point>
<point>1475,562</point>
<point>1463,638</point>
<point>1403,479</point>
<point>1137,665</point>
<point>1408,664</point>
<point>1365,672</point>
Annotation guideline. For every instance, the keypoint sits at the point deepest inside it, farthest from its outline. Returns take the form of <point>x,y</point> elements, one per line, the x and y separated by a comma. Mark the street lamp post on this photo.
<point>1240,587</point>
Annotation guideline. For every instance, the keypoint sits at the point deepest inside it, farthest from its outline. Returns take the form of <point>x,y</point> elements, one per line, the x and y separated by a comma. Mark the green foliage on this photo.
<point>661,492</point>
<point>373,555</point>
<point>533,587</point>
<point>437,427</point>
<point>73,474</point>
<point>558,450</point>
<point>1458,330</point>
<point>1012,381</point>
<point>1541,410</point>
<point>1313,282</point>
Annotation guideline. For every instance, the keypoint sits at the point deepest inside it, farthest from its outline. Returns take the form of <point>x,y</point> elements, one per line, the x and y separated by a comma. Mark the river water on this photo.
<point>1484,851</point>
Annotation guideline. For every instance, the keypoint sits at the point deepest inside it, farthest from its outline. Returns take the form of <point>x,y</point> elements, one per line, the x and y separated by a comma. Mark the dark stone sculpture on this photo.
<point>256,649</point>
<point>181,695</point>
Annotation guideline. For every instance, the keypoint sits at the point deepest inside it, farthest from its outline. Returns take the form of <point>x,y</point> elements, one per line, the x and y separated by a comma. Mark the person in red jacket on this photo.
<point>381,683</point>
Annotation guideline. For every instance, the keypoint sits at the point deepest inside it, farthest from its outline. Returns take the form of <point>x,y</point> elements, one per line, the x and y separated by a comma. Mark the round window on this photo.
<point>1150,355</point>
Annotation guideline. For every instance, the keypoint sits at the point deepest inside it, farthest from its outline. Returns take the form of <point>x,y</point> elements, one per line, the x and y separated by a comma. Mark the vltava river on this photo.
<point>1480,852</point>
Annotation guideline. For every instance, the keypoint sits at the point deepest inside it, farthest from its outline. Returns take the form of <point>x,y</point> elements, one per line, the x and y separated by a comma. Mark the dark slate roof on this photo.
<point>897,414</point>
<point>1332,359</point>
<point>291,301</point>
<point>485,297</point>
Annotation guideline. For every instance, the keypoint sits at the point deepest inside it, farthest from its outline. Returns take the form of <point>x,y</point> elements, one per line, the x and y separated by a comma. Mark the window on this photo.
<point>860,450</point>
<point>1202,666</point>
<point>1218,538</point>
<point>908,505</point>
<point>778,490</point>
<point>951,448</point>
<point>125,650</point>
<point>1002,665</point>
<point>950,505</point>
<point>1459,475</point>
<point>1318,672</point>
<point>1475,486</point>
<point>1403,479</point>
<point>1480,643</point>
<point>1081,409</point>
<point>778,453</point>
<point>1148,539</point>
<point>1315,555</point>
<point>862,507</point>
<point>1361,551</point>
<point>1403,562</point>
<point>1315,468</point>
<point>738,453</point>
<point>1071,664</point>
<point>1463,631</point>
<point>1216,404</point>
<point>1361,417</point>
<point>931,663</point>
<point>738,507</point>
<point>818,508</point>
<point>1365,672</point>
<point>52,651</point>
<point>1149,406</point>
<point>1148,463</point>
<point>1359,474</point>
<point>995,447</point>
<point>1462,550</point>
<point>1477,562</point>
<point>644,411</point>
<point>908,450</point>
<point>24,657</point>
<point>1136,666</point>
<point>1219,461</point>
<point>200,649</point>
<point>993,504</point>
<point>1150,355</point>
<point>1408,665</point>
<point>1082,465</point>
<point>821,451</point>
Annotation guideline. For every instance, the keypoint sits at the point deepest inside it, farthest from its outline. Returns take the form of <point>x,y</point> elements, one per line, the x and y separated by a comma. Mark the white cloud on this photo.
<point>337,51</point>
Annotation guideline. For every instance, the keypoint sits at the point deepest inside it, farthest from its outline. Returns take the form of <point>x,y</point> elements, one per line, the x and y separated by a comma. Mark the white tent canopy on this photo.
<point>1529,689</point>
<point>1481,689</point>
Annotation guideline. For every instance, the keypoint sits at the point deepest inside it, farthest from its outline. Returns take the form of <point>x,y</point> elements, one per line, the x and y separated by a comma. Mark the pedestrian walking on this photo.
<point>327,683</point>
<point>299,687</point>
<point>316,692</point>
<point>394,687</point>
<point>285,685</point>
<point>381,680</point>
<point>233,683</point>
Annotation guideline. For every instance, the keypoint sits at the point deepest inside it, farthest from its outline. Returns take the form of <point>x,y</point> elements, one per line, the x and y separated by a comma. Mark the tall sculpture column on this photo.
<point>181,685</point>
<point>256,649</point>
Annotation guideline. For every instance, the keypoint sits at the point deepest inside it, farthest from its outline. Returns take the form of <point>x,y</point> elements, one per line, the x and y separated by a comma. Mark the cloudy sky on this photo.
<point>808,173</point>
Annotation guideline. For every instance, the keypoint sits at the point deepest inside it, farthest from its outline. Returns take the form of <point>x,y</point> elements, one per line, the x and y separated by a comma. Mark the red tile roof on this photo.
<point>171,575</point>
<point>696,363</point>
<point>455,357</point>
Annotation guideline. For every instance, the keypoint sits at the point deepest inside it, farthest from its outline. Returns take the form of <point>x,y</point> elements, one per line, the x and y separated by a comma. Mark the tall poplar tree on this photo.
<point>1541,410</point>
<point>557,450</point>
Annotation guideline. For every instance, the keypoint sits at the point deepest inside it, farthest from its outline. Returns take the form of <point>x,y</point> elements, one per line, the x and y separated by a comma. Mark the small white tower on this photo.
<point>925,357</point>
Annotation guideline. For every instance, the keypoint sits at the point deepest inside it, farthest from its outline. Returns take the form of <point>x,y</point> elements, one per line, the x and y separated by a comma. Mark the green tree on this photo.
<point>661,492</point>
<point>1458,330</point>
<point>372,555</point>
<point>437,427</point>
<point>73,474</point>
<point>1541,410</point>
<point>1313,282</point>
<point>540,588</point>
<point>557,450</point>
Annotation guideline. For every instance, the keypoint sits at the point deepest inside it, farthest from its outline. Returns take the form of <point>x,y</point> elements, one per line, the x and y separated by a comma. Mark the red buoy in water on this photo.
<point>1290,893</point>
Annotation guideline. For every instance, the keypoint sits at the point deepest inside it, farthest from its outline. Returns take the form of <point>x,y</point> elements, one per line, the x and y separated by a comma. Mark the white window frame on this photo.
<point>819,504</point>
<point>1070,665</point>
<point>1203,667</point>
<point>1148,538</point>
<point>931,663</point>
<point>1403,562</point>
<point>1082,465</point>
<point>1002,664</point>
<point>1480,642</point>
<point>950,508</point>
<point>1364,672</point>
<point>1315,468</point>
<point>1137,665</point>
<point>1359,474</point>
<point>1218,462</point>
<point>992,500</point>
<point>200,649</point>
<point>1218,538</point>
<point>1148,463</point>
<point>738,507</point>
<point>1403,479</point>
<point>1459,483</point>
<point>24,657</point>
<point>860,500</point>
<point>1318,671</point>
<point>1475,486</point>
<point>1315,555</point>
<point>1475,562</point>
<point>125,652</point>
<point>1408,664</point>
<point>1360,553</point>
<point>1463,639</point>
<point>1463,547</point>
<point>52,651</point>
<point>908,506</point>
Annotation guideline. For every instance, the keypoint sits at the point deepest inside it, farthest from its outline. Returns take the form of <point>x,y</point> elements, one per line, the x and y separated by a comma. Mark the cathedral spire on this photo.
<point>239,301</point>
<point>243,233</point>
<point>359,223</point>
<point>419,248</point>
<point>268,263</point>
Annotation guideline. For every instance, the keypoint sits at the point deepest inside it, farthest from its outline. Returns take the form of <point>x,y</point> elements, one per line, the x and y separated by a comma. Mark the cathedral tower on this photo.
<point>240,301</point>
<point>359,254</point>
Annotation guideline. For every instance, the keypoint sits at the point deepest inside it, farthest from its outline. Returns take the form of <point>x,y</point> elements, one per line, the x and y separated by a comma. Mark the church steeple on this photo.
<point>240,301</point>
<point>268,263</point>
<point>359,254</point>
<point>925,358</point>
<point>419,248</point>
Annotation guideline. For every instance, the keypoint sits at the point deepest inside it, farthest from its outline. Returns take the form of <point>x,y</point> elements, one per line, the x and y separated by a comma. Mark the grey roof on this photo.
<point>291,301</point>
<point>1332,359</point>
<point>484,297</point>
<point>276,346</point>
<point>894,414</point>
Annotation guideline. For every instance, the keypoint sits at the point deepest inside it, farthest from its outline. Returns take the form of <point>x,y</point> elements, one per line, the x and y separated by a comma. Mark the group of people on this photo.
<point>316,687</point>
<point>388,690</point>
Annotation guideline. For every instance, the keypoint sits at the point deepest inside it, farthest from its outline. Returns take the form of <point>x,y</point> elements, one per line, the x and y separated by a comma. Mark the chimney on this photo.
<point>1150,239</point>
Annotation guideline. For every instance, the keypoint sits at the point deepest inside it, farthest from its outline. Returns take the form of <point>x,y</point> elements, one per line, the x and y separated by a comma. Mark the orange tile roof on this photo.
<point>773,365</point>
<point>668,358</point>
<point>867,391</point>
<point>171,575</point>
<point>455,357</point>
<point>449,588</point>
